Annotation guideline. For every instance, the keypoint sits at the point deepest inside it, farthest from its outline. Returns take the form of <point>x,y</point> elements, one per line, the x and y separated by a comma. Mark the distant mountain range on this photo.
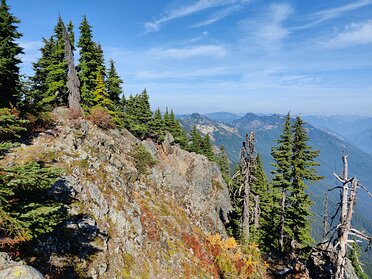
<point>268,129</point>
<point>229,129</point>
<point>356,130</point>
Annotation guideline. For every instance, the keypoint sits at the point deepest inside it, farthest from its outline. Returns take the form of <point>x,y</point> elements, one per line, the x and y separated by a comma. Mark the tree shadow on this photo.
<point>66,251</point>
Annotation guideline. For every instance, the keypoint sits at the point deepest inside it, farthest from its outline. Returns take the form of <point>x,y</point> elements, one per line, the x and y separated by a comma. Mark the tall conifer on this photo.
<point>282,155</point>
<point>9,57</point>
<point>303,169</point>
<point>113,83</point>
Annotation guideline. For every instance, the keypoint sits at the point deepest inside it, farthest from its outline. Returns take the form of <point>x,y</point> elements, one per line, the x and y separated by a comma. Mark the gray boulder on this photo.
<point>16,270</point>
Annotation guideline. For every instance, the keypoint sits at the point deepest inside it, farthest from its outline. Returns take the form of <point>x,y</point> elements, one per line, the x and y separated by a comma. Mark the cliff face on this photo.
<point>124,224</point>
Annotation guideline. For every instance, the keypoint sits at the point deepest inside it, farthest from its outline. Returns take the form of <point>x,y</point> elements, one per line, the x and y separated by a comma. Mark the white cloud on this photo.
<point>268,30</point>
<point>192,51</point>
<point>191,74</point>
<point>31,50</point>
<point>328,14</point>
<point>224,12</point>
<point>353,34</point>
<point>186,10</point>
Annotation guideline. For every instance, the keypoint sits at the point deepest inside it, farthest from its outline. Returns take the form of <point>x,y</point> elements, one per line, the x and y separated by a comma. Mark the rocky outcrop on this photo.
<point>123,223</point>
<point>322,263</point>
<point>15,270</point>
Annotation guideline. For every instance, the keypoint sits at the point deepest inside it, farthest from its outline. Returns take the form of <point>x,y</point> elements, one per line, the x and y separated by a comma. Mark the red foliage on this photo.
<point>100,117</point>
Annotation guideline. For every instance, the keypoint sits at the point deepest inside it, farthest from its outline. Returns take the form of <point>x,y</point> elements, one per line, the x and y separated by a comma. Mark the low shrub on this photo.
<point>142,159</point>
<point>101,118</point>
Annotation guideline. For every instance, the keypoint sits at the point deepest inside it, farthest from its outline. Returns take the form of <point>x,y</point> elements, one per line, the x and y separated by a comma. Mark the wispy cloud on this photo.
<point>192,51</point>
<point>328,14</point>
<point>268,30</point>
<point>30,49</point>
<point>186,10</point>
<point>192,74</point>
<point>353,34</point>
<point>221,14</point>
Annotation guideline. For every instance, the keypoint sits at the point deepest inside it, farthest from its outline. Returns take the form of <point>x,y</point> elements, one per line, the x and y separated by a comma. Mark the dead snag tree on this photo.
<point>241,195</point>
<point>344,229</point>
<point>73,82</point>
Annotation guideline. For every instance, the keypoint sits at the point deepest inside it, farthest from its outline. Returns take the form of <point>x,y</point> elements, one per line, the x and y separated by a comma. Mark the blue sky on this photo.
<point>309,57</point>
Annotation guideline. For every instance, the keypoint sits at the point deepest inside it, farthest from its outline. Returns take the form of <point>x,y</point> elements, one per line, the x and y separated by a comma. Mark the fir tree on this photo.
<point>56,79</point>
<point>206,148</point>
<point>71,34</point>
<point>39,84</point>
<point>157,126</point>
<point>263,195</point>
<point>9,57</point>
<point>224,164</point>
<point>196,141</point>
<point>282,155</point>
<point>303,169</point>
<point>113,83</point>
<point>100,95</point>
<point>174,127</point>
<point>90,62</point>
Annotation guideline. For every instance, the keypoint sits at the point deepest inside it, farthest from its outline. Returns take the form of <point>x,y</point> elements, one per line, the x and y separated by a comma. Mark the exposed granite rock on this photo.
<point>16,270</point>
<point>126,225</point>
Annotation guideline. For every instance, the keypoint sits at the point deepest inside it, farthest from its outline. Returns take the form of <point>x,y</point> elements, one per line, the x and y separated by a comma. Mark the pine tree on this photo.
<point>90,62</point>
<point>56,79</point>
<point>100,95</point>
<point>206,148</point>
<point>224,164</point>
<point>303,169</point>
<point>9,57</point>
<point>282,155</point>
<point>71,34</point>
<point>174,127</point>
<point>26,207</point>
<point>262,196</point>
<point>113,83</point>
<point>196,141</point>
<point>157,127</point>
<point>39,84</point>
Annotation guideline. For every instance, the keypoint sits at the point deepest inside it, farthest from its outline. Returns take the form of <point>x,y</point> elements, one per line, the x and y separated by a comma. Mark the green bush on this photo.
<point>142,159</point>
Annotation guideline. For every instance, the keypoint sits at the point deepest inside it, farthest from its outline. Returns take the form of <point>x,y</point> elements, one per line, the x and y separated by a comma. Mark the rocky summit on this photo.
<point>126,221</point>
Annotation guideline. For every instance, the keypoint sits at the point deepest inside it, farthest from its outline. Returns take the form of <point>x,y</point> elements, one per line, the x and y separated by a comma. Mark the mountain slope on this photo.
<point>126,223</point>
<point>268,129</point>
<point>353,129</point>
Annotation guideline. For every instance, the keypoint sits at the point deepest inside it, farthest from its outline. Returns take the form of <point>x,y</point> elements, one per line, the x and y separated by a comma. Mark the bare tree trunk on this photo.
<point>73,82</point>
<point>325,217</point>
<point>256,212</point>
<point>247,192</point>
<point>247,163</point>
<point>282,220</point>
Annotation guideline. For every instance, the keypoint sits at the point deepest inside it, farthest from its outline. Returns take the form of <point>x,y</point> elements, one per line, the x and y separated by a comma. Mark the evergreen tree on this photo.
<point>9,57</point>
<point>303,169</point>
<point>174,127</point>
<point>157,127</point>
<point>206,148</point>
<point>282,155</point>
<point>224,164</point>
<point>101,97</point>
<point>56,79</point>
<point>26,207</point>
<point>71,34</point>
<point>262,191</point>
<point>90,62</point>
<point>39,84</point>
<point>139,114</point>
<point>196,141</point>
<point>113,83</point>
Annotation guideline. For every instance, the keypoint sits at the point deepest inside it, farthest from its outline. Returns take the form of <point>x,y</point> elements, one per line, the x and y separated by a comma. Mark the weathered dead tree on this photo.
<point>247,163</point>
<point>73,82</point>
<point>343,229</point>
<point>325,217</point>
